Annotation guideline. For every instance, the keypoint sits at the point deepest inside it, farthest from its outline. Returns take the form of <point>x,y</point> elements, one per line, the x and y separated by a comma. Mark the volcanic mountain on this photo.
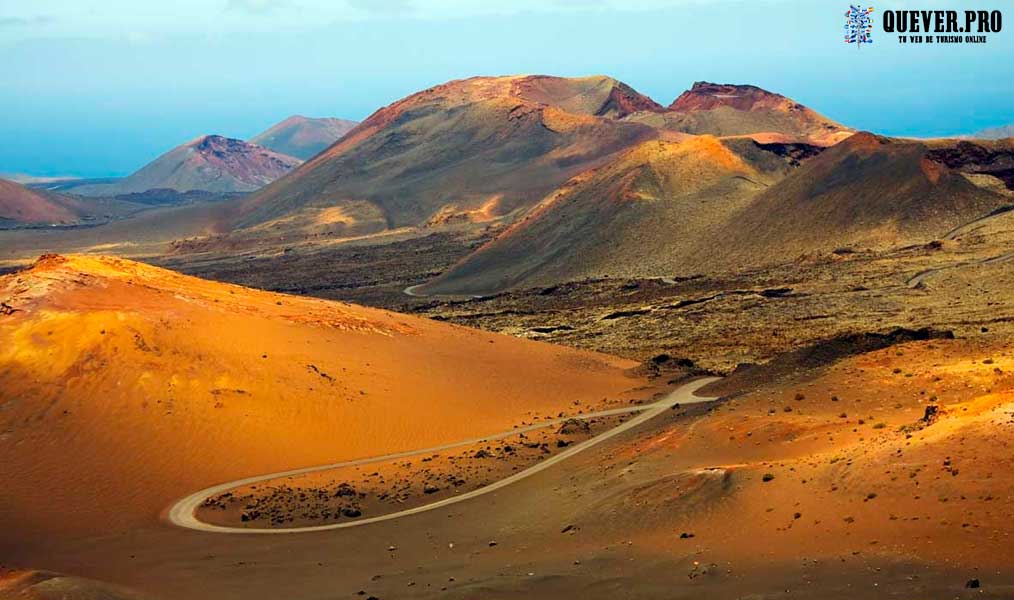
<point>209,163</point>
<point>494,144</point>
<point>124,385</point>
<point>726,109</point>
<point>868,191</point>
<point>303,137</point>
<point>637,216</point>
<point>19,204</point>
<point>484,150</point>
<point>705,204</point>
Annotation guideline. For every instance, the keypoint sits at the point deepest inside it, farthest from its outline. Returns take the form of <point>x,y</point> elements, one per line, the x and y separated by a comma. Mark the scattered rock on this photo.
<point>572,426</point>
<point>620,314</point>
<point>551,328</point>
<point>344,490</point>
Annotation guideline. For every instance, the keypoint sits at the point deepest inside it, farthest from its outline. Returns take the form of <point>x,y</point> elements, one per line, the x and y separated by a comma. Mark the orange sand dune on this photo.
<point>125,386</point>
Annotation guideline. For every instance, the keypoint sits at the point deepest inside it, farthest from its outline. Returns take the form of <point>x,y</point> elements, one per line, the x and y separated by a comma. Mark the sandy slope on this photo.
<point>43,585</point>
<point>124,386</point>
<point>880,514</point>
<point>900,453</point>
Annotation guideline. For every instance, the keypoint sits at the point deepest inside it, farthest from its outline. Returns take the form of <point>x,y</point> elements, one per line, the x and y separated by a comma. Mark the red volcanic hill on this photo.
<point>709,96</point>
<point>303,137</point>
<point>489,144</point>
<point>22,205</point>
<point>726,110</point>
<point>210,163</point>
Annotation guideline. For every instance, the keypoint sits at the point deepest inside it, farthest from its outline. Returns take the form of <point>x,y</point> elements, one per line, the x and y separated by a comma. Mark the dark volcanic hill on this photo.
<point>303,137</point>
<point>210,163</point>
<point>726,110</point>
<point>703,205</point>
<point>487,145</point>
<point>868,191</point>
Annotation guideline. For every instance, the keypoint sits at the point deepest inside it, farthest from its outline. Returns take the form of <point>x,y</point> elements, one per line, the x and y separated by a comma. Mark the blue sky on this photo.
<point>100,88</point>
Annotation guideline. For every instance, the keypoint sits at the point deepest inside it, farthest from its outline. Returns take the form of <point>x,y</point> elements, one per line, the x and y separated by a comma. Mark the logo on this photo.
<point>858,25</point>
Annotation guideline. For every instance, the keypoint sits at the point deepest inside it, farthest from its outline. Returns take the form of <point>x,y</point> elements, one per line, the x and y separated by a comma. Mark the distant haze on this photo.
<point>100,89</point>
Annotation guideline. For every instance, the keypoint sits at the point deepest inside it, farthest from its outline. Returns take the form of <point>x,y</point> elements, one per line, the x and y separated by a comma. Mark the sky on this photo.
<point>99,89</point>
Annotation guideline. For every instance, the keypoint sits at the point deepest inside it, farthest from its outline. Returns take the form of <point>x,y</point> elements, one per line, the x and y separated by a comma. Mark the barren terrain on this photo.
<point>523,252</point>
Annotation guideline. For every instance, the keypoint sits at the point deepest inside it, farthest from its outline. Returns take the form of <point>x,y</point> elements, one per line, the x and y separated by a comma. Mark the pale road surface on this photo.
<point>183,512</point>
<point>411,291</point>
<point>922,276</point>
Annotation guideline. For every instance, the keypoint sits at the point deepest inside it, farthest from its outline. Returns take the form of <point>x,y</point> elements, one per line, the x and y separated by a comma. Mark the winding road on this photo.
<point>1004,211</point>
<point>410,291</point>
<point>183,512</point>
<point>920,277</point>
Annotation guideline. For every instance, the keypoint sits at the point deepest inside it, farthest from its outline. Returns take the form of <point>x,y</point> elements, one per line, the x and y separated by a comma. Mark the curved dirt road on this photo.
<point>920,277</point>
<point>183,512</point>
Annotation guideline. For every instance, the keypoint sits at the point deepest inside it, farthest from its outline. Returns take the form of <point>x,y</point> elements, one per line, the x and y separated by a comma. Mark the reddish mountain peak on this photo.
<point>220,148</point>
<point>865,140</point>
<point>707,96</point>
